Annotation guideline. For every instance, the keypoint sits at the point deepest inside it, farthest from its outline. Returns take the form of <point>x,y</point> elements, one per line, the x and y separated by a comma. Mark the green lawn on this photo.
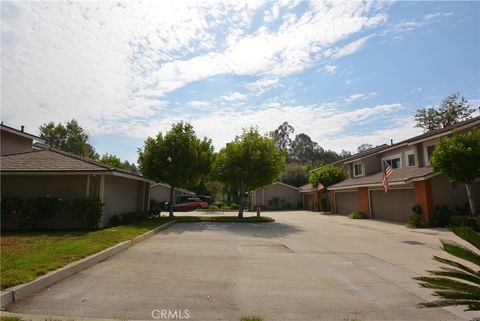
<point>25,256</point>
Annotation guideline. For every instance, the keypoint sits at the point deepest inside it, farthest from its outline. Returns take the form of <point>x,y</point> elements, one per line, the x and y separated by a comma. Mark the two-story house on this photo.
<point>413,181</point>
<point>30,170</point>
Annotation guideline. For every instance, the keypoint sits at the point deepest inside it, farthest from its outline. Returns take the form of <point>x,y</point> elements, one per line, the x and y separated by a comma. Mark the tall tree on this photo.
<point>327,175</point>
<point>178,158</point>
<point>112,160</point>
<point>304,149</point>
<point>281,135</point>
<point>458,157</point>
<point>344,154</point>
<point>249,162</point>
<point>453,109</point>
<point>364,147</point>
<point>294,174</point>
<point>69,138</point>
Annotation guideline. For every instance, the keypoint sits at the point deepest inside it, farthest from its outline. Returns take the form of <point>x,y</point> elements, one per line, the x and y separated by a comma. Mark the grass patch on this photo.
<point>251,219</point>
<point>254,318</point>
<point>26,256</point>
<point>11,318</point>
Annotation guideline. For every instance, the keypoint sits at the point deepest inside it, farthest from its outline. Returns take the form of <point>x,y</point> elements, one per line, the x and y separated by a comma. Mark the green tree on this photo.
<point>281,135</point>
<point>452,110</point>
<point>364,147</point>
<point>294,174</point>
<point>114,161</point>
<point>69,138</point>
<point>456,284</point>
<point>178,158</point>
<point>249,162</point>
<point>215,188</point>
<point>327,175</point>
<point>458,157</point>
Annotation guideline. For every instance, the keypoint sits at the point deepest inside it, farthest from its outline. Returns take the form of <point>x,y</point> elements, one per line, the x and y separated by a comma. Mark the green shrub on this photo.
<point>357,215</point>
<point>442,215</point>
<point>472,222</point>
<point>226,207</point>
<point>211,207</point>
<point>218,204</point>
<point>37,210</point>
<point>11,206</point>
<point>88,211</point>
<point>234,206</point>
<point>415,220</point>
<point>127,218</point>
<point>114,220</point>
<point>155,207</point>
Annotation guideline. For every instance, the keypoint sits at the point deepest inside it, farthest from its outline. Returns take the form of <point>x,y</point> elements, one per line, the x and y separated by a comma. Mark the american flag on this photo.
<point>387,172</point>
<point>320,187</point>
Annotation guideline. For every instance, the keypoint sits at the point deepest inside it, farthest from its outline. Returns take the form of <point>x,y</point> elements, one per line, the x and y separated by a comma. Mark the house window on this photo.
<point>430,150</point>
<point>410,158</point>
<point>357,169</point>
<point>393,162</point>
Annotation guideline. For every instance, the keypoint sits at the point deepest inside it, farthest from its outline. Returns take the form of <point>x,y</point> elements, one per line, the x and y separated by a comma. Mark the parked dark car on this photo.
<point>205,198</point>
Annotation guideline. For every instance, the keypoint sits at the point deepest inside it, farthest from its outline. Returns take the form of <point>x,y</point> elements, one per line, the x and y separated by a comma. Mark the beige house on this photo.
<point>160,192</point>
<point>309,197</point>
<point>34,170</point>
<point>413,181</point>
<point>276,196</point>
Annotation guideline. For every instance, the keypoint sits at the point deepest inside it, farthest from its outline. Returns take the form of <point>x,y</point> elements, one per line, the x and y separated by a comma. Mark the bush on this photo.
<point>442,215</point>
<point>114,220</point>
<point>218,204</point>
<point>357,215</point>
<point>211,207</point>
<point>155,207</point>
<point>11,206</point>
<point>472,222</point>
<point>234,206</point>
<point>88,211</point>
<point>38,209</point>
<point>415,220</point>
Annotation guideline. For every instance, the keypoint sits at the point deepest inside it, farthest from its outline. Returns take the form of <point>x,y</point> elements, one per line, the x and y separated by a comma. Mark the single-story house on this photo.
<point>276,196</point>
<point>160,192</point>
<point>413,181</point>
<point>36,170</point>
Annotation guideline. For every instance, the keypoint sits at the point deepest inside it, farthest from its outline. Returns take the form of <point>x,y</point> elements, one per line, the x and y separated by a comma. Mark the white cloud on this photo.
<point>262,85</point>
<point>436,15</point>
<point>331,69</point>
<point>352,47</point>
<point>358,96</point>
<point>234,96</point>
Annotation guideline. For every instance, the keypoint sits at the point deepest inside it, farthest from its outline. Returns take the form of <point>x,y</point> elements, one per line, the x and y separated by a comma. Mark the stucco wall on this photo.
<point>62,186</point>
<point>13,144</point>
<point>289,195</point>
<point>403,156</point>
<point>372,165</point>
<point>121,195</point>
<point>161,193</point>
<point>451,194</point>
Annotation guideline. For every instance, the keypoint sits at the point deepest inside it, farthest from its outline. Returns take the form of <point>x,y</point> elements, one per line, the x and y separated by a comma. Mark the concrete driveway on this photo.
<point>305,266</point>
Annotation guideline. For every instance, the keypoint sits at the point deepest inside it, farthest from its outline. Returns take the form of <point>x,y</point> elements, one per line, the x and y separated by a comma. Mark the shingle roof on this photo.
<point>20,132</point>
<point>402,175</point>
<point>306,188</point>
<point>46,160</point>
<point>363,154</point>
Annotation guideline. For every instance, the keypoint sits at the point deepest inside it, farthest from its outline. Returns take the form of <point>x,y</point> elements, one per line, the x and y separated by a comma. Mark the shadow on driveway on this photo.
<point>263,230</point>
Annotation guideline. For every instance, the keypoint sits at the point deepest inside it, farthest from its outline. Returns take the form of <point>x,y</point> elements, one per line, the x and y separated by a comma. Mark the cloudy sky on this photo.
<point>344,73</point>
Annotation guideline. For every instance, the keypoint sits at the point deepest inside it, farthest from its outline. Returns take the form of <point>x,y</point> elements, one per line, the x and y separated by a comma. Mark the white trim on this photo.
<point>74,173</point>
<point>126,175</point>
<point>391,157</point>
<point>293,187</point>
<point>425,152</point>
<point>367,185</point>
<point>361,166</point>
<point>408,153</point>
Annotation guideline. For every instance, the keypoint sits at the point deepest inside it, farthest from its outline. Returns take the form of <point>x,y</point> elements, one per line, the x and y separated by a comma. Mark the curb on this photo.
<point>23,290</point>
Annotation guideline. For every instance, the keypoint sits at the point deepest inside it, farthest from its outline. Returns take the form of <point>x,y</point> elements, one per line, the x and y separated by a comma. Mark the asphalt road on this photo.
<point>305,266</point>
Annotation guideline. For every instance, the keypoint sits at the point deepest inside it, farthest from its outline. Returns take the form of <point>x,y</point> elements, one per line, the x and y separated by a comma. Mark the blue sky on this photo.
<point>345,73</point>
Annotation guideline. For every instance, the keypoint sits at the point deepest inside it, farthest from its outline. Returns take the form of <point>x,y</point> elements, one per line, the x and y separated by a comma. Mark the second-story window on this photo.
<point>394,161</point>
<point>357,169</point>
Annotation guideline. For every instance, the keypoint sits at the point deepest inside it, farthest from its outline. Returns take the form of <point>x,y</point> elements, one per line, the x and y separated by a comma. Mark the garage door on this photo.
<point>396,205</point>
<point>346,202</point>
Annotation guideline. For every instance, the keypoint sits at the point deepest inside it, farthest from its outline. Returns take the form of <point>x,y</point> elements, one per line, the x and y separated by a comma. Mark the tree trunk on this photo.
<point>471,199</point>
<point>172,193</point>
<point>240,203</point>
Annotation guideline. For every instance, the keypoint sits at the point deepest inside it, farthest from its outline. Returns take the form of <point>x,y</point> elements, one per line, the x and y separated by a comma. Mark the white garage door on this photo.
<point>346,202</point>
<point>396,205</point>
